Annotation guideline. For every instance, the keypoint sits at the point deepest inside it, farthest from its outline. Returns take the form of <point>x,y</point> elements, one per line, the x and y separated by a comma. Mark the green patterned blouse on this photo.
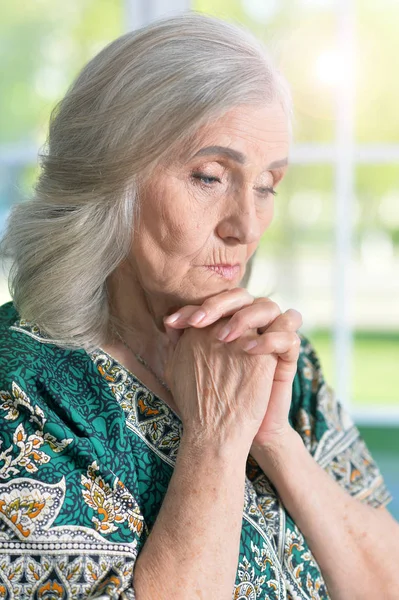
<point>86,455</point>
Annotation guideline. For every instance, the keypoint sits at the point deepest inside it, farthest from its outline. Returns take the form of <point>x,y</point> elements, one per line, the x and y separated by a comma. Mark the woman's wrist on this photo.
<point>223,446</point>
<point>273,454</point>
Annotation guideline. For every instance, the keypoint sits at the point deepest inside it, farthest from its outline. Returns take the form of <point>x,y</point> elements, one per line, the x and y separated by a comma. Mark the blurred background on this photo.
<point>332,251</point>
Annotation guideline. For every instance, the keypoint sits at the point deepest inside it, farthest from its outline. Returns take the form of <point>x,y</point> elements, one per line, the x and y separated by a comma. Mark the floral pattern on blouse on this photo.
<point>86,455</point>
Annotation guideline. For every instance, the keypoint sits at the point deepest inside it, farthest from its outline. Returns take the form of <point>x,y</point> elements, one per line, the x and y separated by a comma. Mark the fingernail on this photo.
<point>196,317</point>
<point>224,333</point>
<point>250,345</point>
<point>172,318</point>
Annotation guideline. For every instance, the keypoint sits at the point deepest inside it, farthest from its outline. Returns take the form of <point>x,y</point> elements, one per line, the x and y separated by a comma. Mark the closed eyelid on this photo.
<point>276,174</point>
<point>233,183</point>
<point>236,173</point>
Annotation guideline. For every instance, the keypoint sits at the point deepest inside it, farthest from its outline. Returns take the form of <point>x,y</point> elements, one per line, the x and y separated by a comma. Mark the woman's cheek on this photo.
<point>265,216</point>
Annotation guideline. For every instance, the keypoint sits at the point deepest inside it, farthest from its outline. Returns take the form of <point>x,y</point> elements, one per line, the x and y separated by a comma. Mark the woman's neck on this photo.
<point>138,318</point>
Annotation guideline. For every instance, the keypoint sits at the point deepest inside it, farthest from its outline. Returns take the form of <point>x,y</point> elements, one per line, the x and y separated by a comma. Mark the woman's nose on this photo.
<point>241,220</point>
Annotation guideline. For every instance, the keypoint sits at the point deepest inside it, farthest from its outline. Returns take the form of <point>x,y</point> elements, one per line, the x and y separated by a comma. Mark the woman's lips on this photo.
<point>226,271</point>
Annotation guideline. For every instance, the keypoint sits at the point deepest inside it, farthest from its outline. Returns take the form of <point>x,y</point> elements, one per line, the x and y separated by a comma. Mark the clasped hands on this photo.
<point>259,327</point>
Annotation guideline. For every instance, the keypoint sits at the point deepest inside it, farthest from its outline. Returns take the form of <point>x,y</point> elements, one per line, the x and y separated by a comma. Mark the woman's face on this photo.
<point>210,210</point>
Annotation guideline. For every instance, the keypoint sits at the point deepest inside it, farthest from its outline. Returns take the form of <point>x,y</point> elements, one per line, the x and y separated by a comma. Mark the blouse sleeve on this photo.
<point>69,526</point>
<point>330,435</point>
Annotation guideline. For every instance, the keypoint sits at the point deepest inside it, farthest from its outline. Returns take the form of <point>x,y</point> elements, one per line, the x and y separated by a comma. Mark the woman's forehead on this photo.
<point>251,123</point>
<point>264,129</point>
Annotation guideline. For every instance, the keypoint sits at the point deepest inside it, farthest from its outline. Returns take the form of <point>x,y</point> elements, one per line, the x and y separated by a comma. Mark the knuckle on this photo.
<point>266,300</point>
<point>295,340</point>
<point>290,318</point>
<point>240,292</point>
<point>209,304</point>
<point>294,314</point>
<point>289,322</point>
<point>239,321</point>
<point>213,304</point>
<point>274,308</point>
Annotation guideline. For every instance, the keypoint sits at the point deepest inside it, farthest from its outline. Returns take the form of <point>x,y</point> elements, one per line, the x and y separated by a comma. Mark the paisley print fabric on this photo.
<point>86,455</point>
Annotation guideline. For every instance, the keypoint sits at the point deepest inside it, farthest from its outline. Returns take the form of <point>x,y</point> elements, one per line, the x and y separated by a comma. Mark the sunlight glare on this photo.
<point>259,10</point>
<point>331,68</point>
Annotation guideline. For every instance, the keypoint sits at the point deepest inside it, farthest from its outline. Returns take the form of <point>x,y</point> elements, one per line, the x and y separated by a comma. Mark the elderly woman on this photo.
<point>164,434</point>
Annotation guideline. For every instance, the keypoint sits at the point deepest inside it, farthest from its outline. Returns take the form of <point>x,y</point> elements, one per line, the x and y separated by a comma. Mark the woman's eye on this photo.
<point>207,179</point>
<point>267,190</point>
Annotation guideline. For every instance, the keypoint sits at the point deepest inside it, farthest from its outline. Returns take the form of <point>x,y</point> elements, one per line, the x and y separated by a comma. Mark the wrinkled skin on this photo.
<point>224,390</point>
<point>203,210</point>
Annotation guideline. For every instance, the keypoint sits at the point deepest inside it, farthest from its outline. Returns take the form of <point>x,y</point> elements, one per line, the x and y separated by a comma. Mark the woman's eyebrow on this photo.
<point>237,156</point>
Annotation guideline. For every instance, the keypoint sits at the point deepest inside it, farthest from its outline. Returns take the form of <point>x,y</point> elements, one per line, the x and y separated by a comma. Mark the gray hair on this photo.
<point>137,103</point>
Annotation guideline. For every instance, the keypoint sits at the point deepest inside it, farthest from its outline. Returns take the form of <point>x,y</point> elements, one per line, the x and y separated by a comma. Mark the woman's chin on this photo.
<point>211,286</point>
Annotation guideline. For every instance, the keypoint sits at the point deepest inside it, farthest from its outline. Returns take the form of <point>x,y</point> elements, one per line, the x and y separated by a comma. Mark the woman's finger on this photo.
<point>212,309</point>
<point>179,319</point>
<point>285,344</point>
<point>259,316</point>
<point>290,320</point>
